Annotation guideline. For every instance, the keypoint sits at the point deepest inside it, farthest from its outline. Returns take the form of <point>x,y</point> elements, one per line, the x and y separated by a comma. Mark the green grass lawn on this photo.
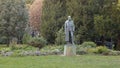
<point>84,61</point>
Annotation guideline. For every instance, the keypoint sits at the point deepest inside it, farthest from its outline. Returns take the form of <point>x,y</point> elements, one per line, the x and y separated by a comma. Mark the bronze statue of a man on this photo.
<point>69,30</point>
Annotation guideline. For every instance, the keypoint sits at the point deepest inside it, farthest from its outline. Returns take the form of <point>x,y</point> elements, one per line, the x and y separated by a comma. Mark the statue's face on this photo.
<point>69,18</point>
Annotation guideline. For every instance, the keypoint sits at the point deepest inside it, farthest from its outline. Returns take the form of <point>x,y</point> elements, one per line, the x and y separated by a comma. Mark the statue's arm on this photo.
<point>73,27</point>
<point>65,27</point>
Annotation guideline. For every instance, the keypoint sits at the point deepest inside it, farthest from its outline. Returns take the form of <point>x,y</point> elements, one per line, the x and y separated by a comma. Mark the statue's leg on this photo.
<point>72,37</point>
<point>67,37</point>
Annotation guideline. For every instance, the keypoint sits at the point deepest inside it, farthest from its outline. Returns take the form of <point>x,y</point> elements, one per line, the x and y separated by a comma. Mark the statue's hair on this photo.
<point>69,16</point>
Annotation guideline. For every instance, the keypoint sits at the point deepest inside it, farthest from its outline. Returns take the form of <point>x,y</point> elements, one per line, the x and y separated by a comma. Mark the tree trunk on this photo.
<point>118,43</point>
<point>8,42</point>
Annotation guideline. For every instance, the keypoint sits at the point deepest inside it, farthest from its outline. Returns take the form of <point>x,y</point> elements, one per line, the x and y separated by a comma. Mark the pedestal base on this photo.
<point>69,50</point>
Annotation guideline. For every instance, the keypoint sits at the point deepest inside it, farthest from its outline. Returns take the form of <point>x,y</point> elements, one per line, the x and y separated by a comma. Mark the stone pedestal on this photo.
<point>69,50</point>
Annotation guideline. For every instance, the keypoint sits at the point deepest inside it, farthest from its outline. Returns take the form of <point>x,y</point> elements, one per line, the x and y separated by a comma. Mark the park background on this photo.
<point>32,33</point>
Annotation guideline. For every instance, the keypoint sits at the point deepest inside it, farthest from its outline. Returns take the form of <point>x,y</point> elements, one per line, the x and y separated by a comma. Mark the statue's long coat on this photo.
<point>69,27</point>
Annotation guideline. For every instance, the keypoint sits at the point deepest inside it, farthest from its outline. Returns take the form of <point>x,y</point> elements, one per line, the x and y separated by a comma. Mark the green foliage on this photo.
<point>82,13</point>
<point>85,48</point>
<point>102,49</point>
<point>17,53</point>
<point>80,50</point>
<point>13,19</point>
<point>92,18</point>
<point>112,53</point>
<point>91,48</point>
<point>53,50</point>
<point>39,42</point>
<point>3,39</point>
<point>60,40</point>
<point>98,50</point>
<point>26,38</point>
<point>5,49</point>
<point>107,21</point>
<point>29,1</point>
<point>17,47</point>
<point>23,50</point>
<point>53,18</point>
<point>88,44</point>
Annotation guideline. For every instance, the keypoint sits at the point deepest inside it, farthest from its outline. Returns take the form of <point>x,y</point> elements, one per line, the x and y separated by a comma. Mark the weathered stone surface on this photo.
<point>69,50</point>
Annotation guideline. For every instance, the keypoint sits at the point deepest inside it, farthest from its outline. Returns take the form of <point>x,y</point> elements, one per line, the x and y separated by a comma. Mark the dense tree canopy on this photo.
<point>93,18</point>
<point>107,23</point>
<point>35,12</point>
<point>53,17</point>
<point>13,19</point>
<point>29,1</point>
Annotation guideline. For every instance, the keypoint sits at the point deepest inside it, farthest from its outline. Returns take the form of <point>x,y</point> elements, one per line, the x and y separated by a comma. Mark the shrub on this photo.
<point>88,44</point>
<point>81,50</point>
<point>92,51</point>
<point>17,53</point>
<point>26,38</point>
<point>102,49</point>
<point>5,49</point>
<point>98,50</point>
<point>53,50</point>
<point>60,37</point>
<point>21,53</point>
<point>37,42</point>
<point>3,39</point>
<point>27,48</point>
<point>112,53</point>
<point>6,53</point>
<point>14,45</point>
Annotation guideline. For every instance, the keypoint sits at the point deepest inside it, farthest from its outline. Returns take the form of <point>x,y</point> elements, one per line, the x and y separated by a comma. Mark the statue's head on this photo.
<point>69,18</point>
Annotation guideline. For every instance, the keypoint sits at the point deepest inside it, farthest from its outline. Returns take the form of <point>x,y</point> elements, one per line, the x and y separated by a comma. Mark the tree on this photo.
<point>35,14</point>
<point>60,39</point>
<point>92,18</point>
<point>29,1</point>
<point>85,14</point>
<point>82,12</point>
<point>13,19</point>
<point>53,18</point>
<point>107,22</point>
